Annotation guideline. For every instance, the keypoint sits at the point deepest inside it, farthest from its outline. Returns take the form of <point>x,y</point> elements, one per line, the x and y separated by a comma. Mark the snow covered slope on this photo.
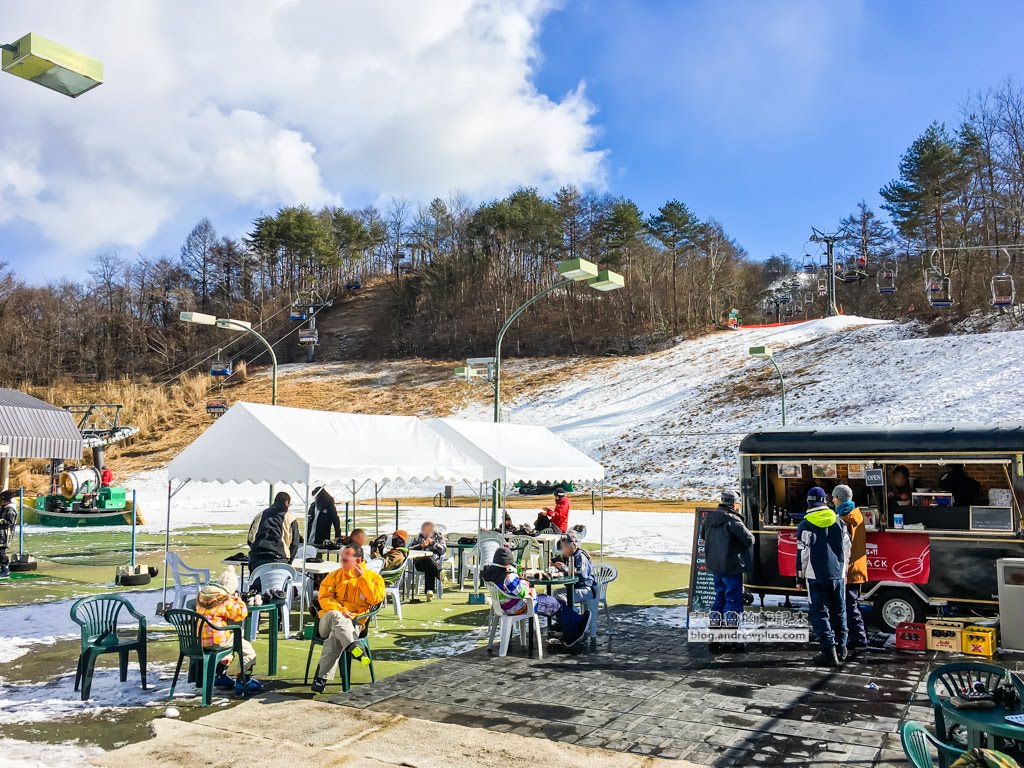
<point>668,425</point>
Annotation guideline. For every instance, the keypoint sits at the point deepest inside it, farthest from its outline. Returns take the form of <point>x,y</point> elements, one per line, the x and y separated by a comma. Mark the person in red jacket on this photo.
<point>559,516</point>
<point>106,477</point>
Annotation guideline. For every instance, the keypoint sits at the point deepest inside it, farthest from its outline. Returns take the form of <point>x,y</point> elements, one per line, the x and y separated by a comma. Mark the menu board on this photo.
<point>702,584</point>
<point>992,519</point>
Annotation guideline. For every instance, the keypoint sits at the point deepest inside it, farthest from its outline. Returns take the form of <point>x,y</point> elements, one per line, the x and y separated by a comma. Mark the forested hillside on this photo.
<point>452,270</point>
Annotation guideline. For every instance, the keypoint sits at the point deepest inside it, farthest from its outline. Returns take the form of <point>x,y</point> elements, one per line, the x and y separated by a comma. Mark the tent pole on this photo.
<point>602,521</point>
<point>354,525</point>
<point>376,511</point>
<point>302,591</point>
<point>396,516</point>
<point>134,518</point>
<point>21,521</point>
<point>167,545</point>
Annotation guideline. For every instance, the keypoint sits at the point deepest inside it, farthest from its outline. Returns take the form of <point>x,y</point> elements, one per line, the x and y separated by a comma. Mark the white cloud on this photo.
<point>275,102</point>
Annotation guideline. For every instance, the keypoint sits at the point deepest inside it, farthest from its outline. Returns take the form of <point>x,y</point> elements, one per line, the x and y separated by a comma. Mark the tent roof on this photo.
<point>34,429</point>
<point>266,443</point>
<point>514,452</point>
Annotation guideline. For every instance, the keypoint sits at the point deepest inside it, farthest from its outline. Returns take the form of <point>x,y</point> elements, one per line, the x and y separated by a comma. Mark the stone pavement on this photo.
<point>644,690</point>
<point>278,730</point>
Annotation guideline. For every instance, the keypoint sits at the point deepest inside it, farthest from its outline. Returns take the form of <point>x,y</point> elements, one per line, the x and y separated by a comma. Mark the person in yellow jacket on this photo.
<point>346,593</point>
<point>857,571</point>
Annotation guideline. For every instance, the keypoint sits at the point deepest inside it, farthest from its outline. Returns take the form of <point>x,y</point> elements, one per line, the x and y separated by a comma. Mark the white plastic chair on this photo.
<point>499,619</point>
<point>487,543</point>
<point>185,578</point>
<point>393,581</point>
<point>603,576</point>
<point>276,576</point>
<point>450,560</point>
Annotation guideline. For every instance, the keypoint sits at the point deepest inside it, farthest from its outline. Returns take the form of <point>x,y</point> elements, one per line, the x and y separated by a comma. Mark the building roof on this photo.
<point>34,429</point>
<point>996,437</point>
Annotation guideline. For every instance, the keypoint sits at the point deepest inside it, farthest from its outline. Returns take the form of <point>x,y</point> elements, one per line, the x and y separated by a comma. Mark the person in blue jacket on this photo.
<point>823,548</point>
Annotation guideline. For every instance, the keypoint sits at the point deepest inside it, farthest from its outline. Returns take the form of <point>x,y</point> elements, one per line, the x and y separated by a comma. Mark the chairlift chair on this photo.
<point>809,266</point>
<point>808,297</point>
<point>1004,291</point>
<point>940,292</point>
<point>308,336</point>
<point>298,315</point>
<point>220,368</point>
<point>885,281</point>
<point>217,406</point>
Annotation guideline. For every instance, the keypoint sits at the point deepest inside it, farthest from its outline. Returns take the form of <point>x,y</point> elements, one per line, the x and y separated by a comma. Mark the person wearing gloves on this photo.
<point>346,593</point>
<point>728,546</point>
<point>221,605</point>
<point>503,574</point>
<point>392,549</point>
<point>823,554</point>
<point>857,572</point>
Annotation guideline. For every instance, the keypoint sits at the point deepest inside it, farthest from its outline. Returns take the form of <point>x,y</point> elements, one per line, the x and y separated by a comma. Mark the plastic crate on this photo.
<point>944,635</point>
<point>979,641</point>
<point>910,636</point>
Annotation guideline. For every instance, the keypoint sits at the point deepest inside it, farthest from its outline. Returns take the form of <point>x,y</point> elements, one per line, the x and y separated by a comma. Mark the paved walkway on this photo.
<point>646,691</point>
<point>277,731</point>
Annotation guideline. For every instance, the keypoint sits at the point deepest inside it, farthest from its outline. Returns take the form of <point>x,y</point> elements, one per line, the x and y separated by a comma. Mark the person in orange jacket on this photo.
<point>346,593</point>
<point>559,516</point>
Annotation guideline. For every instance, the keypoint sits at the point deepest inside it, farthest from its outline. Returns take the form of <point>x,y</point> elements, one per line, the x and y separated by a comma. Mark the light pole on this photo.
<point>51,65</point>
<point>571,271</point>
<point>767,352</point>
<point>198,318</point>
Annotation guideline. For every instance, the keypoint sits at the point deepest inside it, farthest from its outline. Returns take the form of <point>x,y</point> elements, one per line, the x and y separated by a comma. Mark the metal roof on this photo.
<point>34,429</point>
<point>1002,437</point>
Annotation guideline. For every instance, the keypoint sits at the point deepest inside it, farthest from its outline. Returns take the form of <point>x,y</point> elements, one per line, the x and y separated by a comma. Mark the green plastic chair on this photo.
<point>97,616</point>
<point>364,643</point>
<point>918,743</point>
<point>202,662</point>
<point>950,679</point>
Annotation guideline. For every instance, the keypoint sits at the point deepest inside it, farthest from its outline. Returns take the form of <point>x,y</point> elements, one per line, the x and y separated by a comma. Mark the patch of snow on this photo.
<point>35,754</point>
<point>44,623</point>
<point>57,700</point>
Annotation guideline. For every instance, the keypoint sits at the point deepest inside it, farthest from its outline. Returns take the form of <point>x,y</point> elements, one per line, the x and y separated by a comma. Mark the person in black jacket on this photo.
<point>8,520</point>
<point>728,546</point>
<point>322,519</point>
<point>277,534</point>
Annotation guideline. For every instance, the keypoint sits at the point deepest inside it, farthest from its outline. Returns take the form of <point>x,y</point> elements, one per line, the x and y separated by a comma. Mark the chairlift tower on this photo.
<point>830,240</point>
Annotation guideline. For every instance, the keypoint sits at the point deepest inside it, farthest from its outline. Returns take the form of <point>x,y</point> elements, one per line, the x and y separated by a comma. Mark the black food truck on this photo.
<point>942,502</point>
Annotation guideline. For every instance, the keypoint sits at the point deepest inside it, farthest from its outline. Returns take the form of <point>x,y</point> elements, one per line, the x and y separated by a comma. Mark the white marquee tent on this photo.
<point>510,453</point>
<point>303,448</point>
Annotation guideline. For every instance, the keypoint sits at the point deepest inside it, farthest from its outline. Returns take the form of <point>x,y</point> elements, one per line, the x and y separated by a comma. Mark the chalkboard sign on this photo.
<point>702,585</point>
<point>991,519</point>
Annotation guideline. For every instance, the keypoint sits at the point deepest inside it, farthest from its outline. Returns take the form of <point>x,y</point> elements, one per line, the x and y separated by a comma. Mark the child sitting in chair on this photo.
<point>503,574</point>
<point>219,602</point>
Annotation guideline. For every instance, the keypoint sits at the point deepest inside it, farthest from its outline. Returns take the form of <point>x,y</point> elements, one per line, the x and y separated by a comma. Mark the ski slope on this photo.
<point>668,425</point>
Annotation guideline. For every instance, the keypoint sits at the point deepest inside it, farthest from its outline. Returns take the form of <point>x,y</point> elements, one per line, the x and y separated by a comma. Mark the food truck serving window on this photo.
<point>915,494</point>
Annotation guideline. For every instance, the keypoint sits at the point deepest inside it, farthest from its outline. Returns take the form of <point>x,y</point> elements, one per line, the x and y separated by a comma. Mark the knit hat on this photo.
<point>229,579</point>
<point>401,534</point>
<point>842,493</point>
<point>504,556</point>
<point>816,494</point>
<point>729,497</point>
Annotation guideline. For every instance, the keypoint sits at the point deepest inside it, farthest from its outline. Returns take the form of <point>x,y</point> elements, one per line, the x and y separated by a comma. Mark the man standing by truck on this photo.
<point>823,550</point>
<point>728,547</point>
<point>857,571</point>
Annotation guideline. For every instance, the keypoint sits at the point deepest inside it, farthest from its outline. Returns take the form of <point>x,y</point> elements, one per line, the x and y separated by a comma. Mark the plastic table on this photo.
<point>984,722</point>
<point>274,609</point>
<point>559,581</point>
<point>461,556</point>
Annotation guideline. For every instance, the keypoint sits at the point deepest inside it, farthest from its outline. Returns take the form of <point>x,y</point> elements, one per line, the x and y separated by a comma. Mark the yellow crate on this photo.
<point>944,635</point>
<point>979,641</point>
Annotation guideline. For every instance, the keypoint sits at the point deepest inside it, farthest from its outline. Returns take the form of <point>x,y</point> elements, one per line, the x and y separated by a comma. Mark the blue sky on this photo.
<point>767,116</point>
<point>768,130</point>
